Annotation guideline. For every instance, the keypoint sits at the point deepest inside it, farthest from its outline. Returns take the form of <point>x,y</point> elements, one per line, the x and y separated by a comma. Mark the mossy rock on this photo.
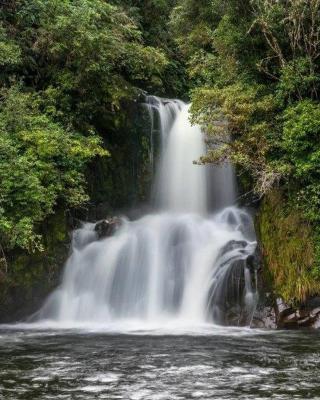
<point>31,277</point>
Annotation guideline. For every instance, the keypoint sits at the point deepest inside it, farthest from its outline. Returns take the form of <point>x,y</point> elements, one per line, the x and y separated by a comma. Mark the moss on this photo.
<point>288,248</point>
<point>122,180</point>
<point>31,277</point>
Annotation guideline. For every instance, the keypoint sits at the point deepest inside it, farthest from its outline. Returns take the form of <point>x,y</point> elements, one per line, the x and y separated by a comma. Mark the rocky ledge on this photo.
<point>282,316</point>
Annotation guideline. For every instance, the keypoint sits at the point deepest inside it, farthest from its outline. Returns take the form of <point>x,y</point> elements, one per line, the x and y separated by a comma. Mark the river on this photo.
<point>219,363</point>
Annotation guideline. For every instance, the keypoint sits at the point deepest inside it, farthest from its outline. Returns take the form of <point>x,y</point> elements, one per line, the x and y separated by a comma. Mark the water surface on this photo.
<point>225,364</point>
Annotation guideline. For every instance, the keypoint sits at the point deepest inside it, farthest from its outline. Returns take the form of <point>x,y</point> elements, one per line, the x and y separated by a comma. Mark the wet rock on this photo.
<point>233,244</point>
<point>289,321</point>
<point>254,261</point>
<point>287,316</point>
<point>302,313</point>
<point>236,304</point>
<point>295,318</point>
<point>277,314</point>
<point>107,227</point>
<point>264,317</point>
<point>282,309</point>
<point>316,323</point>
<point>306,322</point>
<point>315,312</point>
<point>309,318</point>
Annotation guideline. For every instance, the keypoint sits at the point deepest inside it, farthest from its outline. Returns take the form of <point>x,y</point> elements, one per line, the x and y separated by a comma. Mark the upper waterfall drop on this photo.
<point>181,184</point>
<point>180,265</point>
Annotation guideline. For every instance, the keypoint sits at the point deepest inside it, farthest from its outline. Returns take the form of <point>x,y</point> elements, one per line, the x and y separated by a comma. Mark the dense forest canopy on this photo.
<point>253,64</point>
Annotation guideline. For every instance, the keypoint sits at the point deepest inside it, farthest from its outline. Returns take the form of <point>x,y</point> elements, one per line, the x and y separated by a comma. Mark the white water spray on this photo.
<point>179,265</point>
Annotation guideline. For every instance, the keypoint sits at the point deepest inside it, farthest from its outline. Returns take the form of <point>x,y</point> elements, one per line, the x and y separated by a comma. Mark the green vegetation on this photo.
<point>288,249</point>
<point>64,65</point>
<point>41,163</point>
<point>255,66</point>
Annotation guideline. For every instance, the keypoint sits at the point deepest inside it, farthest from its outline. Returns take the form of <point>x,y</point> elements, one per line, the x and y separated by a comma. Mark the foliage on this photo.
<point>91,52</point>
<point>152,18</point>
<point>9,51</point>
<point>301,142</point>
<point>67,69</point>
<point>41,164</point>
<point>288,249</point>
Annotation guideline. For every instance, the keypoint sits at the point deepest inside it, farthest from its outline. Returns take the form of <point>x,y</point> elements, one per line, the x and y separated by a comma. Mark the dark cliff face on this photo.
<point>121,181</point>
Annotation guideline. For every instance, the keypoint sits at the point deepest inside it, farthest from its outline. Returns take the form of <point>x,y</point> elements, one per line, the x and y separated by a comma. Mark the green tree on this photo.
<point>41,164</point>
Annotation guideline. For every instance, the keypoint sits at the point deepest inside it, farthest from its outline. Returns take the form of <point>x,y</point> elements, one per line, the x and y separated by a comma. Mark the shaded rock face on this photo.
<point>306,316</point>
<point>107,227</point>
<point>264,317</point>
<point>280,315</point>
<point>234,303</point>
<point>228,305</point>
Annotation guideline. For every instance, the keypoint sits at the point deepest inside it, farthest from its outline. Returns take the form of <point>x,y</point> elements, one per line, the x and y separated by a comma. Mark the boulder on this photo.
<point>233,244</point>
<point>315,312</point>
<point>107,227</point>
<point>276,314</point>
<point>282,309</point>
<point>264,317</point>
<point>294,318</point>
<point>316,323</point>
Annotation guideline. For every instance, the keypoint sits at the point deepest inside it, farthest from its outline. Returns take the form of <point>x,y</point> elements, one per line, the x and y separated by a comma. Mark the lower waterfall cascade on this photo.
<point>183,264</point>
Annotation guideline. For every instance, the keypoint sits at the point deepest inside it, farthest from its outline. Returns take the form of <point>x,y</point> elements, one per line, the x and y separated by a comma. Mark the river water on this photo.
<point>219,363</point>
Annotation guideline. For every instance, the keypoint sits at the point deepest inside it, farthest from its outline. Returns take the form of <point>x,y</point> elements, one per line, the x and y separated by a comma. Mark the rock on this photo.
<point>316,323</point>
<point>303,313</point>
<point>304,317</point>
<point>233,244</point>
<point>291,317</point>
<point>315,312</point>
<point>107,227</point>
<point>288,321</point>
<point>309,317</point>
<point>306,322</point>
<point>276,314</point>
<point>282,309</point>
<point>264,317</point>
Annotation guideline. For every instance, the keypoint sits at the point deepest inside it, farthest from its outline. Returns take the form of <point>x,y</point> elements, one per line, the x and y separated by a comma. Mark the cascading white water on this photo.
<point>182,185</point>
<point>177,265</point>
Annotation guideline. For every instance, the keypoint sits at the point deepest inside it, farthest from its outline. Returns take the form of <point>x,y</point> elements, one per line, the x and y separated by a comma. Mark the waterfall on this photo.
<point>181,185</point>
<point>182,263</point>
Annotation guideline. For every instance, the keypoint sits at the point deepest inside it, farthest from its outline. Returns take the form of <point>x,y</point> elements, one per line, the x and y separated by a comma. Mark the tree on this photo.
<point>41,165</point>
